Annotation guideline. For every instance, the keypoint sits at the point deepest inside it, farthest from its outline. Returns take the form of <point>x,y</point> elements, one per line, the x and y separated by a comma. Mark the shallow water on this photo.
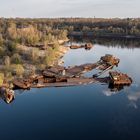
<point>75,113</point>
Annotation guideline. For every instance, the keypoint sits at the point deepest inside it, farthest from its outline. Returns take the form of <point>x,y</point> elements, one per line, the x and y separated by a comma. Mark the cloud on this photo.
<point>134,96</point>
<point>109,93</point>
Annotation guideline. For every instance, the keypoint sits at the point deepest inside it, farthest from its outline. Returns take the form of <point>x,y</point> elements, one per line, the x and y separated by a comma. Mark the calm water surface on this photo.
<point>91,112</point>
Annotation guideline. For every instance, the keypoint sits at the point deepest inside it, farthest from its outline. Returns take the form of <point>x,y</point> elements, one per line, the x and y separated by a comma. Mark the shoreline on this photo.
<point>62,51</point>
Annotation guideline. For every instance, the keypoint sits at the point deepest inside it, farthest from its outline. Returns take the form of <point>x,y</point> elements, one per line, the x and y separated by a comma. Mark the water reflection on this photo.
<point>109,42</point>
<point>114,89</point>
<point>132,93</point>
<point>108,92</point>
<point>133,96</point>
<point>7,95</point>
<point>128,51</point>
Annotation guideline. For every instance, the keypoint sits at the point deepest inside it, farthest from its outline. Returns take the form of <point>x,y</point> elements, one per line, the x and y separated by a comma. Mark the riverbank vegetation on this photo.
<point>26,46</point>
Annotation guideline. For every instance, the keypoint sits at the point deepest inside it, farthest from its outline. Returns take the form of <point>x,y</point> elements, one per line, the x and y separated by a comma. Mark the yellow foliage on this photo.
<point>19,69</point>
<point>1,78</point>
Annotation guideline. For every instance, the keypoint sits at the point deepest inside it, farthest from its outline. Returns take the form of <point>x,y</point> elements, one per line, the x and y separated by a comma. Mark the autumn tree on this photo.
<point>16,59</point>
<point>1,40</point>
<point>29,35</point>
<point>19,70</point>
<point>6,61</point>
<point>12,32</point>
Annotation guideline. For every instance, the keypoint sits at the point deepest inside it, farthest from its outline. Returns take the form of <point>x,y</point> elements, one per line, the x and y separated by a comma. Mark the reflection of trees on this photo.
<point>113,89</point>
<point>120,43</point>
<point>110,42</point>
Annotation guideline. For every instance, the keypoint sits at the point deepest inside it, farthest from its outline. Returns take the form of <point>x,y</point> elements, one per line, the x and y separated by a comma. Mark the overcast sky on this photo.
<point>69,8</point>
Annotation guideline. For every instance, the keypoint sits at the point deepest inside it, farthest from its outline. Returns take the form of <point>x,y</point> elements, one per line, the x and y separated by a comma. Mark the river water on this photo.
<point>79,113</point>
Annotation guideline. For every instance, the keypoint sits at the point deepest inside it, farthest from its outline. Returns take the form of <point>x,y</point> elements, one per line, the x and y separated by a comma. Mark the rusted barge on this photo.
<point>118,78</point>
<point>105,63</point>
<point>114,78</point>
<point>60,76</point>
<point>69,82</point>
<point>22,84</point>
<point>110,60</point>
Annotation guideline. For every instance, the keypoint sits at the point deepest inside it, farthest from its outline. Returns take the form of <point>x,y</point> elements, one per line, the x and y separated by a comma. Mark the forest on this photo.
<point>117,26</point>
<point>36,41</point>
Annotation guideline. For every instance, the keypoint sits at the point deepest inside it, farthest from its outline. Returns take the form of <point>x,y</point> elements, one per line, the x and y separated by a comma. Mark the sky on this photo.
<point>70,8</point>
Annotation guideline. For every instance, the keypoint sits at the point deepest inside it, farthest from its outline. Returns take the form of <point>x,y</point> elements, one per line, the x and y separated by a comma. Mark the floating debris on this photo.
<point>75,46</point>
<point>87,46</point>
